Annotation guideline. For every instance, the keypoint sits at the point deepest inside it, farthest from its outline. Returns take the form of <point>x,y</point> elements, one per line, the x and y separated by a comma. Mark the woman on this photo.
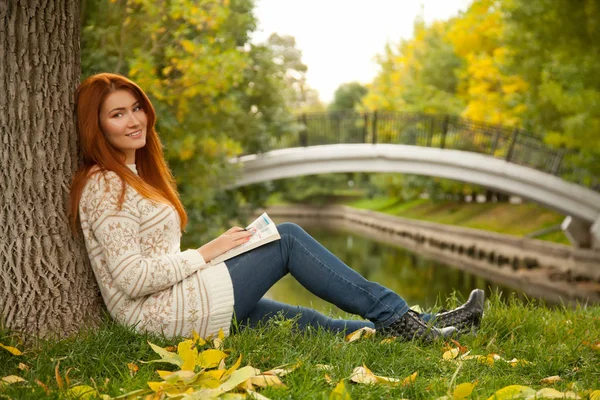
<point>125,199</point>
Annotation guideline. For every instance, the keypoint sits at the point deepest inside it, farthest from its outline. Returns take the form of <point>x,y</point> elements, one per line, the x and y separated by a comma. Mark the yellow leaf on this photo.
<point>551,379</point>
<point>156,386</point>
<point>163,374</point>
<point>266,380</point>
<point>210,358</point>
<point>185,377</point>
<point>187,45</point>
<point>166,356</point>
<point>451,354</point>
<point>463,390</point>
<point>366,376</point>
<point>595,395</point>
<point>234,366</point>
<point>256,396</point>
<point>197,338</point>
<point>512,392</point>
<point>239,376</point>
<point>362,332</point>
<point>409,380</point>
<point>12,379</point>
<point>12,350</point>
<point>328,379</point>
<point>221,334</point>
<point>188,352</point>
<point>515,362</point>
<point>388,340</point>
<point>340,392</point>
<point>549,393</point>
<point>83,392</point>
<point>23,367</point>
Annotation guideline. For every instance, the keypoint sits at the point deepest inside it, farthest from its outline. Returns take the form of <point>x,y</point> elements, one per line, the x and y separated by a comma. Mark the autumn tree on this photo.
<point>47,285</point>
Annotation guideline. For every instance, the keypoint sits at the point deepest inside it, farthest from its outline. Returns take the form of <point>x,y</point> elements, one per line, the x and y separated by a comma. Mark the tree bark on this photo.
<point>46,282</point>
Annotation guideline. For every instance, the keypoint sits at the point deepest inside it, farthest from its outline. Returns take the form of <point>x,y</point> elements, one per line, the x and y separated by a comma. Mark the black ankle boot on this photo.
<point>411,327</point>
<point>466,317</point>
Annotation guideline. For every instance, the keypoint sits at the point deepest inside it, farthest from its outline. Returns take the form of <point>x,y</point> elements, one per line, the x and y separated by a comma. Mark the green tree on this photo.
<point>347,97</point>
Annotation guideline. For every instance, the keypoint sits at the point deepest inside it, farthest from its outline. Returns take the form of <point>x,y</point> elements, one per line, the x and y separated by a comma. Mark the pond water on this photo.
<point>419,280</point>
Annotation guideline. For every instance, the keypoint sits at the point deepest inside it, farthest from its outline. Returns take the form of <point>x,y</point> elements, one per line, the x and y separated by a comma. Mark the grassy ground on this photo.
<point>512,219</point>
<point>555,342</point>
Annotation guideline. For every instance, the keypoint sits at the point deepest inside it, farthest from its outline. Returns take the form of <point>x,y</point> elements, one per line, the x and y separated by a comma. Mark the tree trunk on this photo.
<point>46,282</point>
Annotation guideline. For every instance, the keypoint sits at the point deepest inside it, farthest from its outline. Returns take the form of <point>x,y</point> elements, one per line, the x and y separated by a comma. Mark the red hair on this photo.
<point>155,180</point>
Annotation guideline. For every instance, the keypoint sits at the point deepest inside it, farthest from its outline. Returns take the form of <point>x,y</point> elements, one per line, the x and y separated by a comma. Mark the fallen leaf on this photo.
<point>388,340</point>
<point>12,350</point>
<point>256,396</point>
<point>551,379</point>
<point>409,380</point>
<point>591,345</point>
<point>83,392</point>
<point>461,348</point>
<point>10,379</point>
<point>328,379</point>
<point>595,395</point>
<point>364,332</point>
<point>366,376</point>
<point>23,367</point>
<point>43,386</point>
<point>515,362</point>
<point>59,380</point>
<point>280,371</point>
<point>463,390</point>
<point>512,392</point>
<point>133,368</point>
<point>340,392</point>
<point>451,354</point>
<point>166,355</point>
<point>266,380</point>
<point>549,393</point>
<point>210,358</point>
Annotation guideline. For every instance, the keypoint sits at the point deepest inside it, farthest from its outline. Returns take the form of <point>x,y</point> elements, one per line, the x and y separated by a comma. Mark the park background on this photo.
<point>530,65</point>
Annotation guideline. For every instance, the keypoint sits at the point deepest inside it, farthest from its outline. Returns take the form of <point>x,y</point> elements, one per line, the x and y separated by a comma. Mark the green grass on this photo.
<point>553,340</point>
<point>511,219</point>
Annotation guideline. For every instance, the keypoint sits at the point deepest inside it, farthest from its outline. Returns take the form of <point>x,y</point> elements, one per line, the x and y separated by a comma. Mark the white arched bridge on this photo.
<point>533,177</point>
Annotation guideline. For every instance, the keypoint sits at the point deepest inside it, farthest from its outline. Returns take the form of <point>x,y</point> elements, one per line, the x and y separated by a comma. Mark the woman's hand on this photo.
<point>227,241</point>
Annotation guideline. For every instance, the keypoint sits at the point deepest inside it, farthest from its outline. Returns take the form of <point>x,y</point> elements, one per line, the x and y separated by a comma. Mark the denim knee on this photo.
<point>290,228</point>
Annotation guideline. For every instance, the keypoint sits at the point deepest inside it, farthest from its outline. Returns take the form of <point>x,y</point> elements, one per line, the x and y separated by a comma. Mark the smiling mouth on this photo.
<point>134,134</point>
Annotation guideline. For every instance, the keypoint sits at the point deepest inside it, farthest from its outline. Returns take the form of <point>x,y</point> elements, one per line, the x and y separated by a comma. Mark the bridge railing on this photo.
<point>442,131</point>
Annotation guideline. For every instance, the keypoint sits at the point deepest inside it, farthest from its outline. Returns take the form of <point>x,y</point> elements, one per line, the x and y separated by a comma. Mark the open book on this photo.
<point>264,230</point>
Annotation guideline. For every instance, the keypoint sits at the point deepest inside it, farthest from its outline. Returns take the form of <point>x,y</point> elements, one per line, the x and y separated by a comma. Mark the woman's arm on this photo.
<point>132,272</point>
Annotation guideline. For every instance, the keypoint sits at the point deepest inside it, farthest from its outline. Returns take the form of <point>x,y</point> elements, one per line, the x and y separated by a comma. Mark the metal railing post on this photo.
<point>304,132</point>
<point>374,127</point>
<point>444,131</point>
<point>365,127</point>
<point>511,146</point>
<point>557,161</point>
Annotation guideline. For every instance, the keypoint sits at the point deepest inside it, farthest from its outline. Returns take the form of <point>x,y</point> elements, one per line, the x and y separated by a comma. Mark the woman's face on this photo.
<point>123,122</point>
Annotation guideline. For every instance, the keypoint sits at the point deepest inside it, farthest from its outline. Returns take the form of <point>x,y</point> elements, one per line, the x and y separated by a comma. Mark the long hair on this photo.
<point>155,180</point>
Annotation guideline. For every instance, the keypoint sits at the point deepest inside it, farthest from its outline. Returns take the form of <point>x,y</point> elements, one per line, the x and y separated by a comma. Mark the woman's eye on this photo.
<point>138,108</point>
<point>118,115</point>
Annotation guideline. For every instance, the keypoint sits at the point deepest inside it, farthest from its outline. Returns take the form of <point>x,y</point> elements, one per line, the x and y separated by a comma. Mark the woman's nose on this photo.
<point>133,120</point>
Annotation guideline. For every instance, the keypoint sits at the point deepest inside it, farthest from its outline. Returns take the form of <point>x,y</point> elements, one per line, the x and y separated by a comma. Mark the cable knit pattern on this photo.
<point>144,277</point>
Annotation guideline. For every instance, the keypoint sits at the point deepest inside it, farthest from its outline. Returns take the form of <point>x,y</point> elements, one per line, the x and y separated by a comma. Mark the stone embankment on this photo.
<point>555,272</point>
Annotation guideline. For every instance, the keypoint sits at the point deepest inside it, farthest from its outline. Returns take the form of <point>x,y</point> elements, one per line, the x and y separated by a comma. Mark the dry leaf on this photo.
<point>282,371</point>
<point>43,386</point>
<point>266,380</point>
<point>364,332</point>
<point>59,380</point>
<point>366,376</point>
<point>328,379</point>
<point>12,379</point>
<point>551,379</point>
<point>451,354</point>
<point>591,345</point>
<point>409,380</point>
<point>595,395</point>
<point>133,368</point>
<point>12,350</point>
<point>23,367</point>
<point>256,396</point>
<point>388,340</point>
<point>340,392</point>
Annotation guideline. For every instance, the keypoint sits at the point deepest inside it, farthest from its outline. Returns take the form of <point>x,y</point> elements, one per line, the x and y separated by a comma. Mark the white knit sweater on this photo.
<point>144,277</point>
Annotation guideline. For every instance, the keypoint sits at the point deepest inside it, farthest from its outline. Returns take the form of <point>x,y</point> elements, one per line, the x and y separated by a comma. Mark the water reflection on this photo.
<point>416,278</point>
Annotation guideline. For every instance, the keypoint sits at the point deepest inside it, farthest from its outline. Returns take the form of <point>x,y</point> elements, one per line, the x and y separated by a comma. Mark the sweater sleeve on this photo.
<point>136,275</point>
<point>133,273</point>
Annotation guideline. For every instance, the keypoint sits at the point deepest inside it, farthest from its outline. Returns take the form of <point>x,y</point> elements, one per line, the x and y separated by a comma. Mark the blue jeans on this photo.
<point>318,270</point>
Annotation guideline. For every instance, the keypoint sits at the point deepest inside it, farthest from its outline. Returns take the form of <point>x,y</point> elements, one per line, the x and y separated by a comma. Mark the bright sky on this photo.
<point>339,39</point>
